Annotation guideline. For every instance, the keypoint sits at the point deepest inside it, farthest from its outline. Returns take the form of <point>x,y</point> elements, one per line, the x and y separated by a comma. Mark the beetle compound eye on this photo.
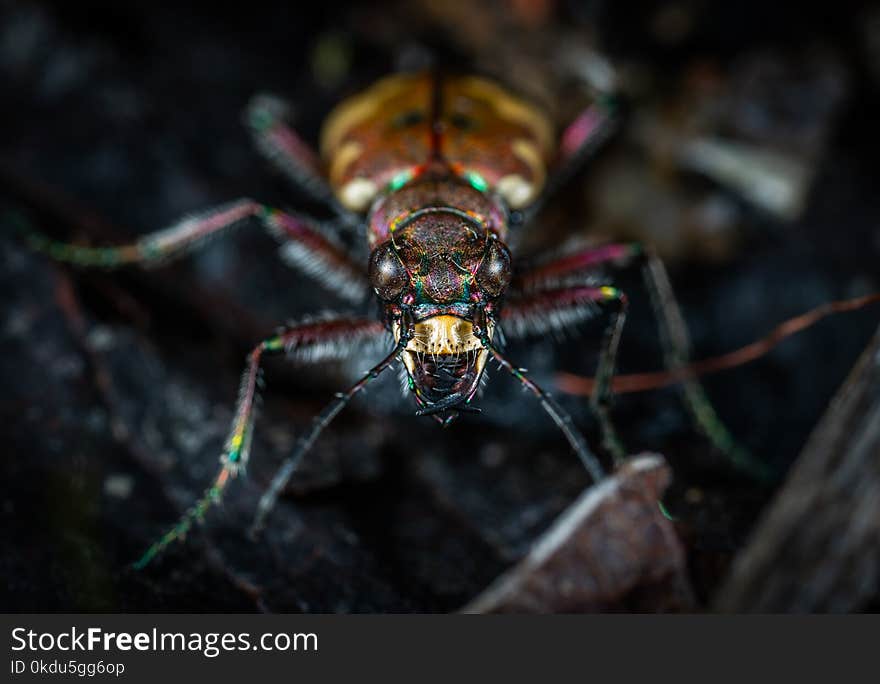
<point>494,273</point>
<point>387,274</point>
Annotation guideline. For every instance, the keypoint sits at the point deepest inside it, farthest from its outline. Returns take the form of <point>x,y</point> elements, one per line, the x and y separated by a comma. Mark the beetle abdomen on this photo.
<point>502,139</point>
<point>384,137</point>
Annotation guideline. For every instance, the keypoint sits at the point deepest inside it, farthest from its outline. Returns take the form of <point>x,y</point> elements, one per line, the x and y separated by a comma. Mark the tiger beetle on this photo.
<point>439,172</point>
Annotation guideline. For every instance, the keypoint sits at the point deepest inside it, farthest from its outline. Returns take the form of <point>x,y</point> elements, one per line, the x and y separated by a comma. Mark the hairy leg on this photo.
<point>675,341</point>
<point>579,141</point>
<point>305,245</point>
<point>548,308</point>
<point>314,341</point>
<point>266,118</point>
<point>321,421</point>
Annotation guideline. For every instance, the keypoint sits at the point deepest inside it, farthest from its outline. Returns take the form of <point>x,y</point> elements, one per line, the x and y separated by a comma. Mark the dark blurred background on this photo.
<point>746,155</point>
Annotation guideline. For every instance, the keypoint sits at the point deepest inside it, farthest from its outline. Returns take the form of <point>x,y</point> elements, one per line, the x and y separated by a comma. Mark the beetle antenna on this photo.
<point>559,415</point>
<point>322,420</point>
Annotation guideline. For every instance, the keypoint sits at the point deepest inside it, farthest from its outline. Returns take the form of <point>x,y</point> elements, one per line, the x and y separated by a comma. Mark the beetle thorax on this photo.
<point>391,210</point>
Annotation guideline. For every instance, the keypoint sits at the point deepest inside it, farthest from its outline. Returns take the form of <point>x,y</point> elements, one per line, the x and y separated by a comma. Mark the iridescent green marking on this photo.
<point>236,444</point>
<point>261,119</point>
<point>83,256</point>
<point>400,180</point>
<point>150,250</point>
<point>476,180</point>
<point>274,344</point>
<point>712,426</point>
<point>178,532</point>
<point>665,511</point>
<point>107,257</point>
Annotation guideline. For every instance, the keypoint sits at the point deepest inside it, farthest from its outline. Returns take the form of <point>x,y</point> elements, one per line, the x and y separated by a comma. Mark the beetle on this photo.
<point>439,171</point>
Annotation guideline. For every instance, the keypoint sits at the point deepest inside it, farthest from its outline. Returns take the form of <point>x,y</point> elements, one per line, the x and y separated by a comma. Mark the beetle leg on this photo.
<point>304,244</point>
<point>581,140</point>
<point>675,340</point>
<point>265,117</point>
<point>548,309</point>
<point>318,254</point>
<point>583,137</point>
<point>600,402</point>
<point>319,340</point>
<point>321,421</point>
<point>551,274</point>
<point>536,313</point>
<point>559,415</point>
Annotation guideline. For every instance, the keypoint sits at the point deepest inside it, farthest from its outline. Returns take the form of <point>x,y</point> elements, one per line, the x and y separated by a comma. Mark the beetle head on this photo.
<point>447,271</point>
